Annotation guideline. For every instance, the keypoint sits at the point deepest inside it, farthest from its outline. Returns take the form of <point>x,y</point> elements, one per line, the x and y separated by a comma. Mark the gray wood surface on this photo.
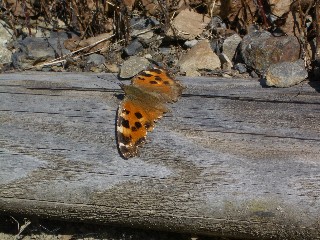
<point>232,158</point>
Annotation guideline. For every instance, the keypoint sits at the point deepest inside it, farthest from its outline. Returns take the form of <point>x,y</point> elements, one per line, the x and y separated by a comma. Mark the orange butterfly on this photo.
<point>143,104</point>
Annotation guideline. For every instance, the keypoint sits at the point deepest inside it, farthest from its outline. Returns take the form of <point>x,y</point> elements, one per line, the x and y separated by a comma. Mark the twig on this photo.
<point>263,14</point>
<point>22,228</point>
<point>63,59</point>
<point>213,4</point>
<point>16,222</point>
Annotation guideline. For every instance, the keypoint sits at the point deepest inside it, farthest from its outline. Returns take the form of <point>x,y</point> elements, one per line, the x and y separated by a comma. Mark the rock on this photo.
<point>151,7</point>
<point>217,26</point>
<point>225,75</point>
<point>32,51</point>
<point>230,45</point>
<point>290,26</point>
<point>191,43</point>
<point>140,27</point>
<point>97,69</point>
<point>96,59</point>
<point>133,48</point>
<point>148,56</point>
<point>280,7</point>
<point>286,74</point>
<point>6,35</point>
<point>192,73</point>
<point>138,23</point>
<point>144,37</point>
<point>188,24</point>
<point>111,67</point>
<point>5,55</point>
<point>165,50</point>
<point>133,66</point>
<point>240,67</point>
<point>199,57</point>
<point>253,74</point>
<point>129,4</point>
<point>216,45</point>
<point>225,62</point>
<point>259,50</point>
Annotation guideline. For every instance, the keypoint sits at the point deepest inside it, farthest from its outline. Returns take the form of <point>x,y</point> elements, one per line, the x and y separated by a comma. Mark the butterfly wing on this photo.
<point>142,106</point>
<point>157,80</point>
<point>135,119</point>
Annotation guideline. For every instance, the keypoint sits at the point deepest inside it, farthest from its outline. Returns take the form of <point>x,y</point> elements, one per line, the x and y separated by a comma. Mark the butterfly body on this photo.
<point>144,102</point>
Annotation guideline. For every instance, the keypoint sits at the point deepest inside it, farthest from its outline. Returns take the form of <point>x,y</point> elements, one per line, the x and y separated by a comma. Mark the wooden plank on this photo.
<point>232,158</point>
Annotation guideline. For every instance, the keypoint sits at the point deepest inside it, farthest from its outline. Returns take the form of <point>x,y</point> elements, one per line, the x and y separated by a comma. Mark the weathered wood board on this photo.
<point>232,158</point>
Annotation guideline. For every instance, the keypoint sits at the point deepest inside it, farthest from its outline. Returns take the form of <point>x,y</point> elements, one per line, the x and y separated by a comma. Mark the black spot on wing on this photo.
<point>137,125</point>
<point>124,123</point>
<point>158,78</point>
<point>153,82</point>
<point>138,115</point>
<point>141,78</point>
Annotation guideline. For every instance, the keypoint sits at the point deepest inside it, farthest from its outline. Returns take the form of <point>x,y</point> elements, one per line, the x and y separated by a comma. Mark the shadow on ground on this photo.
<point>18,227</point>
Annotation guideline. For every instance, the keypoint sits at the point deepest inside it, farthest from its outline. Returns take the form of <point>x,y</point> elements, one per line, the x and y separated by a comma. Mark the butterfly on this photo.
<point>144,102</point>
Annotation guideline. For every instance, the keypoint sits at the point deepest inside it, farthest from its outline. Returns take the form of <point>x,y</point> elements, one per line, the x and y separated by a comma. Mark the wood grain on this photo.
<point>232,158</point>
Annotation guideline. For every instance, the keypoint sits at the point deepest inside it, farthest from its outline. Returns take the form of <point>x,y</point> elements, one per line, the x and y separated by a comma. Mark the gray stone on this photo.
<point>138,23</point>
<point>216,45</point>
<point>143,37</point>
<point>240,67</point>
<point>133,66</point>
<point>32,51</point>
<point>217,25</point>
<point>259,49</point>
<point>96,59</point>
<point>191,43</point>
<point>5,55</point>
<point>286,74</point>
<point>6,36</point>
<point>142,28</point>
<point>225,61</point>
<point>253,74</point>
<point>165,50</point>
<point>230,45</point>
<point>133,48</point>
